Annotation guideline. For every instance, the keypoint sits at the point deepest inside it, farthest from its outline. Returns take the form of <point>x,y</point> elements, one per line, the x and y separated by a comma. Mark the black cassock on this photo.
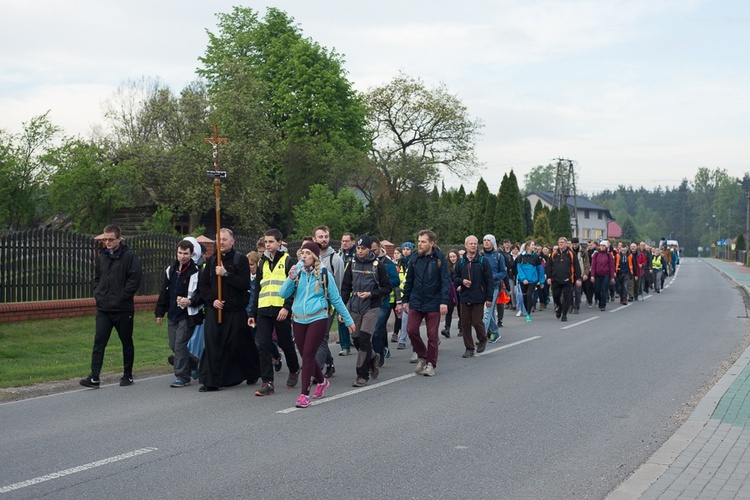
<point>230,355</point>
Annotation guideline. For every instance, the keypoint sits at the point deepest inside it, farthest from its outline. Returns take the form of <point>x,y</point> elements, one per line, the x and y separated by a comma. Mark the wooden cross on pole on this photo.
<point>217,175</point>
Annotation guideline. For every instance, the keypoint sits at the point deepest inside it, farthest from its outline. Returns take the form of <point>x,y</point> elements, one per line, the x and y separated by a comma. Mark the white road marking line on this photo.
<point>396,379</point>
<point>74,470</point>
<point>353,392</point>
<point>623,306</point>
<point>580,323</point>
<point>508,346</point>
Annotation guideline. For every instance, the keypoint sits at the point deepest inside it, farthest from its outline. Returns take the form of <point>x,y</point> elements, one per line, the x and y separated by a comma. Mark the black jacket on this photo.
<point>564,267</point>
<point>117,277</point>
<point>479,272</point>
<point>177,284</point>
<point>427,282</point>
<point>234,291</point>
<point>365,275</point>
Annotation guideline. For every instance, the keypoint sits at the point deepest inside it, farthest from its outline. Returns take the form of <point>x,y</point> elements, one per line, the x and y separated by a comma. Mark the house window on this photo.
<point>586,233</point>
<point>601,214</point>
<point>585,214</point>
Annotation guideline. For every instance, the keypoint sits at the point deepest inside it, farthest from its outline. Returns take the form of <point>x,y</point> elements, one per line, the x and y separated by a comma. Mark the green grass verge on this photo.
<point>59,349</point>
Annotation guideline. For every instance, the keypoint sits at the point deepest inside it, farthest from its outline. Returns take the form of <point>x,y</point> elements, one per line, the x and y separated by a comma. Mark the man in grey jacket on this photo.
<point>335,265</point>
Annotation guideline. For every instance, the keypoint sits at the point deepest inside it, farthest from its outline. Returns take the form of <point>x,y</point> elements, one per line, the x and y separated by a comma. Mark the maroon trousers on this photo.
<point>432,321</point>
<point>308,338</point>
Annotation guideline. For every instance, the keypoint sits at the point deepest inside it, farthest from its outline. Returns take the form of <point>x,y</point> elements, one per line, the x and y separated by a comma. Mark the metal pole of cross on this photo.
<point>217,175</point>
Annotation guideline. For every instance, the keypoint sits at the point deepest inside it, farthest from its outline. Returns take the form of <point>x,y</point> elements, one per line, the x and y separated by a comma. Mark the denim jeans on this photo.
<point>490,323</point>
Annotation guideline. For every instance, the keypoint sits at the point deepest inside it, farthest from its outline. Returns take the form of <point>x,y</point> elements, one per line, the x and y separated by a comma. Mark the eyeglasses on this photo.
<point>109,240</point>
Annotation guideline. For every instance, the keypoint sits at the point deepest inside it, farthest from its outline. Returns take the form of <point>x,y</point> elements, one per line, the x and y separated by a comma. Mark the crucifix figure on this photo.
<point>217,175</point>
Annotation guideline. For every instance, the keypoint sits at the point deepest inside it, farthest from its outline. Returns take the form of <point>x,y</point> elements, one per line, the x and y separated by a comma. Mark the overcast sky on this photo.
<point>637,92</point>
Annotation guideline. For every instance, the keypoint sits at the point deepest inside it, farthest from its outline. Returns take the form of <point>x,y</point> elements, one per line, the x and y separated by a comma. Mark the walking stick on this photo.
<point>217,175</point>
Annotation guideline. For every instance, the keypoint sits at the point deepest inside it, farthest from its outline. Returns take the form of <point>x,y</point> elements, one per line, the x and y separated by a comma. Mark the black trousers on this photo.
<point>123,323</point>
<point>264,328</point>
<point>562,295</point>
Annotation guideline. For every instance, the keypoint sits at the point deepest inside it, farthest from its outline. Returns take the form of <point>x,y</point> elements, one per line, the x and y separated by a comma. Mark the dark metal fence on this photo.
<point>53,264</point>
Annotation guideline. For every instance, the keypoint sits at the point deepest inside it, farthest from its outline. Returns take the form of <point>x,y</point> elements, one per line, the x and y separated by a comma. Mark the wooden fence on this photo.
<point>52,264</point>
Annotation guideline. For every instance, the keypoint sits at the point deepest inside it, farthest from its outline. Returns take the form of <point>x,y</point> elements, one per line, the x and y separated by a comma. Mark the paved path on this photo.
<point>709,456</point>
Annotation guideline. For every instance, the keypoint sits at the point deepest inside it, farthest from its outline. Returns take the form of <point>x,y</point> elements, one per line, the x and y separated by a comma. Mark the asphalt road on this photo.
<point>554,410</point>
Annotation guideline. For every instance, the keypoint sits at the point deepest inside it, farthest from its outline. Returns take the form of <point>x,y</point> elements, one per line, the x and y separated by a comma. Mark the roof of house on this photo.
<point>582,202</point>
<point>613,229</point>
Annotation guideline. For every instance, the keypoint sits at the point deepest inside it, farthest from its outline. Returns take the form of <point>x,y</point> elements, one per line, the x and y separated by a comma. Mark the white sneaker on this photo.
<point>414,358</point>
<point>421,364</point>
<point>518,314</point>
<point>429,370</point>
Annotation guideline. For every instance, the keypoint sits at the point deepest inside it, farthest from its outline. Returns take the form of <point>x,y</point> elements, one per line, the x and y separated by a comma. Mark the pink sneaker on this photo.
<point>303,401</point>
<point>320,389</point>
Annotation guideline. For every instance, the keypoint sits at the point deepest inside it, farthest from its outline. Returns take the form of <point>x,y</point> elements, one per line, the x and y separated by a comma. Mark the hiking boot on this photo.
<point>90,381</point>
<point>277,364</point>
<point>420,366</point>
<point>330,370</point>
<point>292,379</point>
<point>266,389</point>
<point>179,383</point>
<point>469,353</point>
<point>360,382</point>
<point>414,358</point>
<point>303,401</point>
<point>401,346</point>
<point>446,333</point>
<point>320,389</point>
<point>345,352</point>
<point>482,345</point>
<point>374,368</point>
<point>126,380</point>
<point>429,370</point>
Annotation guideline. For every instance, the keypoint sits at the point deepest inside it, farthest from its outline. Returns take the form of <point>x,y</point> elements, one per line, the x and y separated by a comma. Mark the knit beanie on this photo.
<point>313,247</point>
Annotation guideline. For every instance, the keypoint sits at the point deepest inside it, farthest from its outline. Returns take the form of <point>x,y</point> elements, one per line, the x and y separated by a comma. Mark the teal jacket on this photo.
<point>309,306</point>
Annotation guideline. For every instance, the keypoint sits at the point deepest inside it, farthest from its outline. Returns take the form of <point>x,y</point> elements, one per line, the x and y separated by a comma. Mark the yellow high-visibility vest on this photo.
<point>270,285</point>
<point>656,262</point>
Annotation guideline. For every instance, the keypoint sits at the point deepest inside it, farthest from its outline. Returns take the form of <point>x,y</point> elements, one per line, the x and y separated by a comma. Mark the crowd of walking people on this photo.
<point>230,318</point>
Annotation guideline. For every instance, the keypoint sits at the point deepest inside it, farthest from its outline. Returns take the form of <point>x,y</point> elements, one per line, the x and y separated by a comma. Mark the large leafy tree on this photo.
<point>416,131</point>
<point>540,178</point>
<point>341,212</point>
<point>88,186</point>
<point>24,172</point>
<point>307,99</point>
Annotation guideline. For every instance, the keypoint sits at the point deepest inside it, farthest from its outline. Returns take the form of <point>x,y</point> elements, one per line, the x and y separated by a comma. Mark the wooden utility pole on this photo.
<point>217,175</point>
